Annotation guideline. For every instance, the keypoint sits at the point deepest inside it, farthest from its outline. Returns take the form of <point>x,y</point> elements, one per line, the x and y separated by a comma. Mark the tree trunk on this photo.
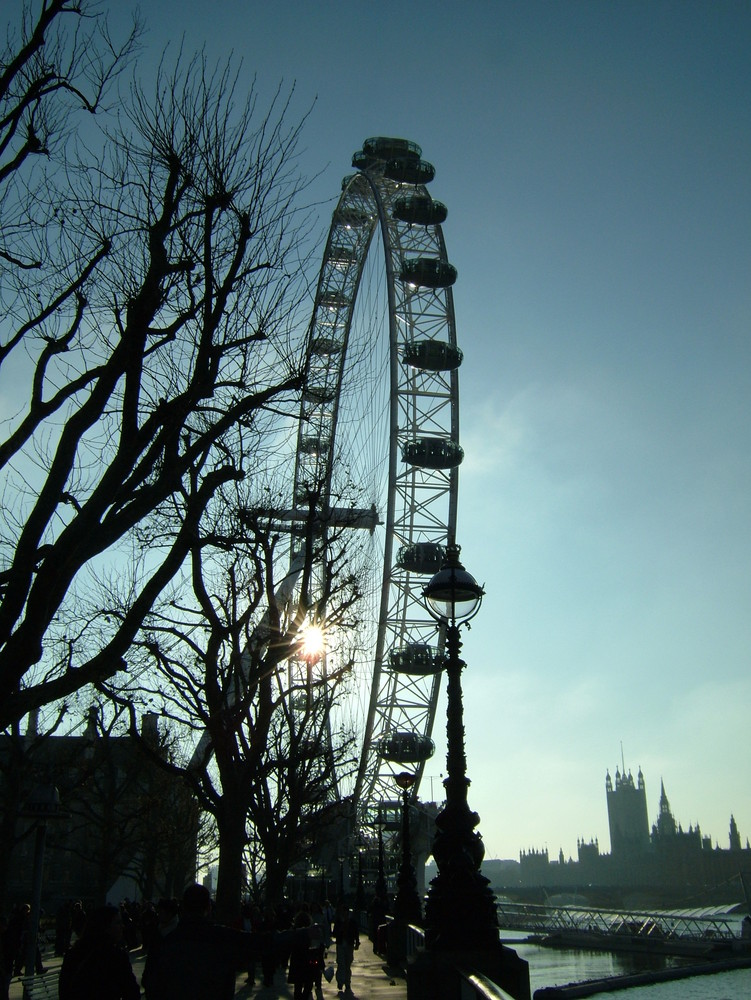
<point>276,879</point>
<point>231,875</point>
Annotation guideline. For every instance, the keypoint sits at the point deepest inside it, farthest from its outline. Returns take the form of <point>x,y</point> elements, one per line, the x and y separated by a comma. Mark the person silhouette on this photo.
<point>199,959</point>
<point>97,966</point>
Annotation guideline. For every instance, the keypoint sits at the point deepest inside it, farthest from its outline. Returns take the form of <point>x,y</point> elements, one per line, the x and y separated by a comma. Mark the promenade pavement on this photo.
<point>372,979</point>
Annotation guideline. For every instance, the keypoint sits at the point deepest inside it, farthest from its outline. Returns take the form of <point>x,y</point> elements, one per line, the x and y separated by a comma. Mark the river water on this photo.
<point>557,967</point>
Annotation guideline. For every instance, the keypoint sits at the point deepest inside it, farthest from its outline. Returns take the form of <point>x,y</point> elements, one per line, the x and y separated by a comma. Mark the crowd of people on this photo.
<point>189,956</point>
<point>14,942</point>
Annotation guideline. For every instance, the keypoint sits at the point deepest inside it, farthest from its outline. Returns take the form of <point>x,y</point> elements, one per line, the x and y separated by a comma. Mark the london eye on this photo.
<point>380,414</point>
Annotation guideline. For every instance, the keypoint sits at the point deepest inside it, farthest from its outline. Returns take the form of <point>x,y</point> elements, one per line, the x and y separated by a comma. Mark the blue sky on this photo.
<point>595,158</point>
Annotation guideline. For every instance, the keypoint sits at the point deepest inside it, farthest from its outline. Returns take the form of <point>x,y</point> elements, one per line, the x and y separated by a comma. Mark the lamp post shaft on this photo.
<point>407,902</point>
<point>456,782</point>
<point>460,909</point>
<point>461,923</point>
<point>381,887</point>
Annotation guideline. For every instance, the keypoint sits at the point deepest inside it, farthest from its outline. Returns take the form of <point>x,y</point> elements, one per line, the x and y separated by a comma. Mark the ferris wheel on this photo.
<point>380,415</point>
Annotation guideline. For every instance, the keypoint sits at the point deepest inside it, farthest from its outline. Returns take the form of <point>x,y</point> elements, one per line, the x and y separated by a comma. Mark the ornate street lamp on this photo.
<point>407,902</point>
<point>460,910</point>
<point>381,888</point>
<point>360,891</point>
<point>342,861</point>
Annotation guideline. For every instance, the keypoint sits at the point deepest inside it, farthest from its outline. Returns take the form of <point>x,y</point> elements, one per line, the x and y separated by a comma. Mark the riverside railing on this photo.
<point>477,987</point>
<point>415,940</point>
<point>473,986</point>
<point>664,925</point>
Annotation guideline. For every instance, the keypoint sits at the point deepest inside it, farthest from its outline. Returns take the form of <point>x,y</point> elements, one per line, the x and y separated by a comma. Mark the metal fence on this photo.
<point>669,925</point>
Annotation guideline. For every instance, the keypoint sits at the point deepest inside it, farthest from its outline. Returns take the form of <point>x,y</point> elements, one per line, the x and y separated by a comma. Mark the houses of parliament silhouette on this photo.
<point>666,866</point>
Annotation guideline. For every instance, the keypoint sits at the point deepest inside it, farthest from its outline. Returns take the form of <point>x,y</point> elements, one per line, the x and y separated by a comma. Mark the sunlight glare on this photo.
<point>312,643</point>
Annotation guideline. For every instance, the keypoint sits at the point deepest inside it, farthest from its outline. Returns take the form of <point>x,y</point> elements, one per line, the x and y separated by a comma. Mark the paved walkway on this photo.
<point>372,979</point>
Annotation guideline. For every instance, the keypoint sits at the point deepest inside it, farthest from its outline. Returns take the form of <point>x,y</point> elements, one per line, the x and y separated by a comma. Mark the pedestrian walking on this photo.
<point>6,962</point>
<point>97,966</point>
<point>198,960</point>
<point>347,936</point>
<point>306,956</point>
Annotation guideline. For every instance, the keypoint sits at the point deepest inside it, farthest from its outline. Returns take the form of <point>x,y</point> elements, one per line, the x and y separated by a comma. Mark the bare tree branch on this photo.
<point>163,334</point>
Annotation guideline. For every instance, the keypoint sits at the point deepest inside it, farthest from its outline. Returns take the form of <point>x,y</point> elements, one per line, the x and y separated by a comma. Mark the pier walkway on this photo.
<point>676,927</point>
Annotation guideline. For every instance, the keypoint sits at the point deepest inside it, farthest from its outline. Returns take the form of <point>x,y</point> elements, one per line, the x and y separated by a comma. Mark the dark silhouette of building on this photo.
<point>535,865</point>
<point>666,865</point>
<point>735,837</point>
<point>587,853</point>
<point>627,814</point>
<point>126,828</point>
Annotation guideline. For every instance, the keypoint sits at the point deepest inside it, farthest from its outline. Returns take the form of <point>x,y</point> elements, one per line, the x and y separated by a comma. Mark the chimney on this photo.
<point>91,723</point>
<point>150,728</point>
<point>32,723</point>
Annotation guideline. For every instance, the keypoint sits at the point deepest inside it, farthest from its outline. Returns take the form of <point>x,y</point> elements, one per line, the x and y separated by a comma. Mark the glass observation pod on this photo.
<point>319,395</point>
<point>389,816</point>
<point>342,256</point>
<point>418,659</point>
<point>325,346</point>
<point>352,218</point>
<point>405,171</point>
<point>428,272</point>
<point>433,453</point>
<point>401,160</point>
<point>421,557</point>
<point>432,355</point>
<point>420,210</point>
<point>305,495</point>
<point>314,445</point>
<point>362,160</point>
<point>333,299</point>
<point>385,148</point>
<point>406,748</point>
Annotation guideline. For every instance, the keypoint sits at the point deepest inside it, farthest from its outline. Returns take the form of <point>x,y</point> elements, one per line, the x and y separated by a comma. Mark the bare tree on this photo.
<point>56,69</point>
<point>293,810</point>
<point>151,345</point>
<point>219,662</point>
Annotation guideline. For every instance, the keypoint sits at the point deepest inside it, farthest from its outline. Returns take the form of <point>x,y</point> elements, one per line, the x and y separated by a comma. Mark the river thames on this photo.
<point>557,967</point>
